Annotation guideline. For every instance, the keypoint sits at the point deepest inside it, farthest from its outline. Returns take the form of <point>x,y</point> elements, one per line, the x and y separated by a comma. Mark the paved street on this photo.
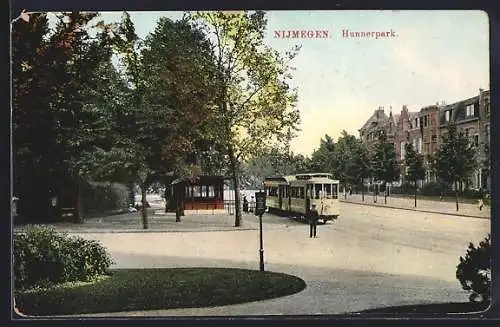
<point>370,257</point>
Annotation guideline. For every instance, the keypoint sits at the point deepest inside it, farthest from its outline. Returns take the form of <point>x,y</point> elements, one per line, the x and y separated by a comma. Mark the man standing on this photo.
<point>313,217</point>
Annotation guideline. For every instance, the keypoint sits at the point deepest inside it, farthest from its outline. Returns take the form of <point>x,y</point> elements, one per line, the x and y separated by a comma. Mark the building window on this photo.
<point>469,110</point>
<point>419,150</point>
<point>448,115</point>
<point>487,109</point>
<point>488,134</point>
<point>425,121</point>
<point>475,139</point>
<point>403,150</point>
<point>415,144</point>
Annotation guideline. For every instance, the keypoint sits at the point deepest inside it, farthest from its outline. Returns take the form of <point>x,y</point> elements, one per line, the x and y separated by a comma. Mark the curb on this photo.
<point>110,231</point>
<point>412,209</point>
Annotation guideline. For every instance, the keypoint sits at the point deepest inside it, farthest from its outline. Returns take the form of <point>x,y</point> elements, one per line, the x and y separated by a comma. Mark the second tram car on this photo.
<point>295,194</point>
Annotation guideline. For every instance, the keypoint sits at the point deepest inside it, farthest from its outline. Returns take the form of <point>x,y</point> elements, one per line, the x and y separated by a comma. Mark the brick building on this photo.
<point>472,117</point>
<point>424,130</point>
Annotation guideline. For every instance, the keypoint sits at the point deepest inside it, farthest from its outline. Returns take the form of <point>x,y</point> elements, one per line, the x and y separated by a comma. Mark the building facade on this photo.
<point>424,129</point>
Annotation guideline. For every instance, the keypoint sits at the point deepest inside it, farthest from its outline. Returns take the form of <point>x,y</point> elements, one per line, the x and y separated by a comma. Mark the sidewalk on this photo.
<point>441,207</point>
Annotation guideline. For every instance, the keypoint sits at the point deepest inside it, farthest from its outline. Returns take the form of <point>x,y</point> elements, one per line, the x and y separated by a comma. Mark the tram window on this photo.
<point>318,190</point>
<point>211,191</point>
<point>273,191</point>
<point>301,192</point>
<point>328,190</point>
<point>334,191</point>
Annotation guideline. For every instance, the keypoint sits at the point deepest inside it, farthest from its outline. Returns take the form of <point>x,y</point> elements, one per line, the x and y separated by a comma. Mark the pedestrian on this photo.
<point>313,217</point>
<point>245,204</point>
<point>480,204</point>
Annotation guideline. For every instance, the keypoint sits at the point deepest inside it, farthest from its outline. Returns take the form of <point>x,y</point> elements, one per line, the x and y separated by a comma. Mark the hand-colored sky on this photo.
<point>436,56</point>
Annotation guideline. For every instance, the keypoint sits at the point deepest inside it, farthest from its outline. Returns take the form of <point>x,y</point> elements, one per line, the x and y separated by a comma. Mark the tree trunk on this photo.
<point>170,196</point>
<point>415,194</point>
<point>144,207</point>
<point>236,183</point>
<point>79,203</point>
<point>178,211</point>
<point>456,194</point>
<point>131,194</point>
<point>385,194</point>
<point>362,191</point>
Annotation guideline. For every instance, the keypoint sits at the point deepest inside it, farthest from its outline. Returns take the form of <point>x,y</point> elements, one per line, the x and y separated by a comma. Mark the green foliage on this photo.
<point>474,271</point>
<point>43,257</point>
<point>325,158</point>
<point>384,163</point>
<point>254,104</point>
<point>456,158</point>
<point>102,197</point>
<point>414,163</point>
<point>435,189</point>
<point>273,161</point>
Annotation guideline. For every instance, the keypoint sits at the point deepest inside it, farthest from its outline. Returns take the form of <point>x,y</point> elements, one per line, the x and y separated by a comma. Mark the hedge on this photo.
<point>43,256</point>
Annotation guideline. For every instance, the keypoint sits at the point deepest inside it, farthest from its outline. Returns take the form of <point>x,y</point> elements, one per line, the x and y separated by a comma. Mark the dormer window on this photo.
<point>469,110</point>
<point>447,115</point>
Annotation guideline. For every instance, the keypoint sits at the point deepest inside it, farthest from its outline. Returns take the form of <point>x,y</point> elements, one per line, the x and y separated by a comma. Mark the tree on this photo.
<point>384,162</point>
<point>255,106</point>
<point>359,165</point>
<point>414,164</point>
<point>178,70</point>
<point>324,159</point>
<point>456,158</point>
<point>52,70</point>
<point>165,107</point>
<point>350,159</point>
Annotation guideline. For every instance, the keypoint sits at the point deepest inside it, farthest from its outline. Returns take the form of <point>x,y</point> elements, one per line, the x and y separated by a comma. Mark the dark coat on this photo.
<point>313,216</point>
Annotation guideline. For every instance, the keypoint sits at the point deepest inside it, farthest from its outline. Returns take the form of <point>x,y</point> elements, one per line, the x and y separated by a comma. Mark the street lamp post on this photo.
<point>260,208</point>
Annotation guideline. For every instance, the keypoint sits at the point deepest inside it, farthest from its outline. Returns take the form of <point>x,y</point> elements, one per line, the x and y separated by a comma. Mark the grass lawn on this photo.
<point>150,289</point>
<point>434,308</point>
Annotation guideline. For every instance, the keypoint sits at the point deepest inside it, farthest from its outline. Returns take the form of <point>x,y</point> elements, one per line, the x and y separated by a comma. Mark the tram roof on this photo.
<point>315,180</point>
<point>285,179</point>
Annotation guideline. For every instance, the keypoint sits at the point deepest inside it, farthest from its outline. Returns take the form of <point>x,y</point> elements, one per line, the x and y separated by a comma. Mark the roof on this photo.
<point>374,120</point>
<point>314,180</point>
<point>459,112</point>
<point>396,117</point>
<point>200,178</point>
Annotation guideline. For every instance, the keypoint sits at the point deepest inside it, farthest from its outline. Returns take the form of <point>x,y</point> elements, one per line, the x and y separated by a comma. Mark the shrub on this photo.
<point>434,189</point>
<point>43,256</point>
<point>474,271</point>
<point>102,197</point>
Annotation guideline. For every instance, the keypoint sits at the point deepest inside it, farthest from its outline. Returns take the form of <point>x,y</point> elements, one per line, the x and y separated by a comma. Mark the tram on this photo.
<point>295,194</point>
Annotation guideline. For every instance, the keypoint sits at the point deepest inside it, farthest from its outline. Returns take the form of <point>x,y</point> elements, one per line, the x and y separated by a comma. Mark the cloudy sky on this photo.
<point>435,56</point>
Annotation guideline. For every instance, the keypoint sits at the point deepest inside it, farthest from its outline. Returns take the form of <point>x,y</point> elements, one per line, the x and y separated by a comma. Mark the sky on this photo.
<point>432,56</point>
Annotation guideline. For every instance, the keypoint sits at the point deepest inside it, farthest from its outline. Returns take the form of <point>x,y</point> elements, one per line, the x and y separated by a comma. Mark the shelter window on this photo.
<point>211,191</point>
<point>197,191</point>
